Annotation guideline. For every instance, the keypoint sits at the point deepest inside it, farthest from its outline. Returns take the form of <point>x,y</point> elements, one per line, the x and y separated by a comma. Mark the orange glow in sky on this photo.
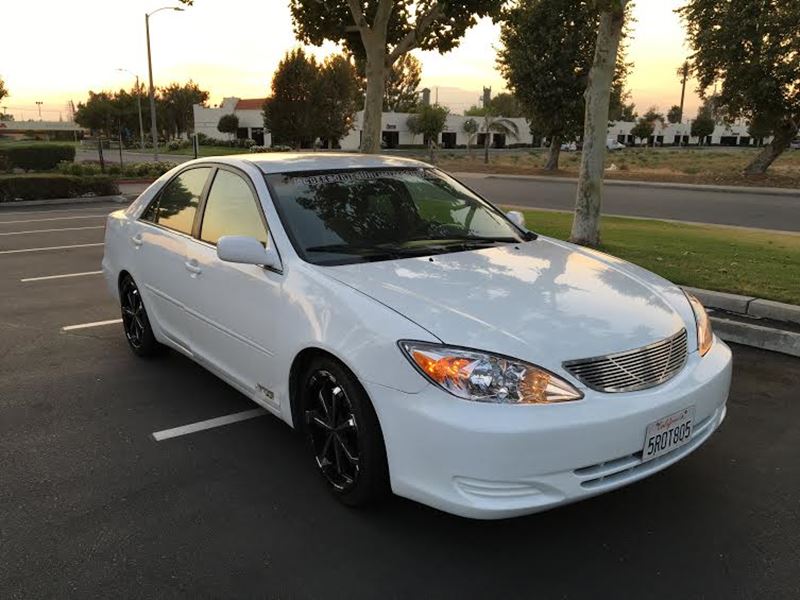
<point>55,51</point>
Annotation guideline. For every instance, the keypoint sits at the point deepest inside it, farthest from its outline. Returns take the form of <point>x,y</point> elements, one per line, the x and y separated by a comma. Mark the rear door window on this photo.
<point>176,206</point>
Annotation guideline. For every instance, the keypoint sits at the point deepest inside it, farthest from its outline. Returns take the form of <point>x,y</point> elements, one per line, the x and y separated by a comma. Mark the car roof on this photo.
<point>288,162</point>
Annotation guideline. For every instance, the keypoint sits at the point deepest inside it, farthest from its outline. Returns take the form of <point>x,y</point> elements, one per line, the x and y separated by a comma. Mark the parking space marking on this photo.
<point>49,248</point>
<point>54,210</point>
<point>64,276</point>
<point>207,424</point>
<point>29,231</point>
<point>88,325</point>
<point>17,221</point>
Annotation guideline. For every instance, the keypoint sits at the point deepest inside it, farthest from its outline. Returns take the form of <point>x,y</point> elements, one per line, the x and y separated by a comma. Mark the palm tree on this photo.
<point>492,124</point>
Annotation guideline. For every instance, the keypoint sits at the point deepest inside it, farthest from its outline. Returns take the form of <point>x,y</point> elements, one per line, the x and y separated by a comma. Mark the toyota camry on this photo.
<point>424,342</point>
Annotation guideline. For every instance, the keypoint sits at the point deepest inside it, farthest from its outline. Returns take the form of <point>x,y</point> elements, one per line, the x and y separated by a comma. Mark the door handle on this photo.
<point>193,267</point>
<point>137,240</point>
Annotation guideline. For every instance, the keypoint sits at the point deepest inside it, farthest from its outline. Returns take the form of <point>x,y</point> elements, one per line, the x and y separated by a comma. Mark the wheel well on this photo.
<point>122,275</point>
<point>301,361</point>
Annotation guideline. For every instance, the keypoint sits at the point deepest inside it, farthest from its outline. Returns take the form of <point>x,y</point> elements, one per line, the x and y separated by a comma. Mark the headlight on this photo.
<point>705,337</point>
<point>484,377</point>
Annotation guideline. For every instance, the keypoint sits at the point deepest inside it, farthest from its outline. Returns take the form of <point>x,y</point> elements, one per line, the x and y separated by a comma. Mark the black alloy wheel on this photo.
<point>343,433</point>
<point>135,321</point>
<point>333,431</point>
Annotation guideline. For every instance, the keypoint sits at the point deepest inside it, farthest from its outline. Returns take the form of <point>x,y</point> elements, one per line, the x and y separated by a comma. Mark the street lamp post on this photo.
<point>39,106</point>
<point>139,103</point>
<point>153,127</point>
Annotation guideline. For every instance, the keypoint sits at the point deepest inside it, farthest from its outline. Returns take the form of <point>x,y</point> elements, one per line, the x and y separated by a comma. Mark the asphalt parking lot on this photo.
<point>91,505</point>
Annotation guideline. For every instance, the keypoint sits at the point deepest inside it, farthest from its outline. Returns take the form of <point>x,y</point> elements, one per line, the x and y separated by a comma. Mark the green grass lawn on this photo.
<point>752,263</point>
<point>204,151</point>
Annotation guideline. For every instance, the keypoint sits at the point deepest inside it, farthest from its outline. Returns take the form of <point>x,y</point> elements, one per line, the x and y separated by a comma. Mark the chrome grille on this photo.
<point>633,369</point>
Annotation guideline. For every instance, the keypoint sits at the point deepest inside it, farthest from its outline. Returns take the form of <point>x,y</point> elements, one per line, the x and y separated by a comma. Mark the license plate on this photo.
<point>668,433</point>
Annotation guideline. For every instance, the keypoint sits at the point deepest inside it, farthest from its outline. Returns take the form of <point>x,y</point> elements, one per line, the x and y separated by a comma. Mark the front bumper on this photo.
<point>491,461</point>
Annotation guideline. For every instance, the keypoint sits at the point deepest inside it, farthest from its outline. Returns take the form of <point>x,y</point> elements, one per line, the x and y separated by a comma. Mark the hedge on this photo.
<point>35,157</point>
<point>47,186</point>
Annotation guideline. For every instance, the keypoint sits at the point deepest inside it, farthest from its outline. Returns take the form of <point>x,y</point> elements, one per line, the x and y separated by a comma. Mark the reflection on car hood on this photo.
<point>544,301</point>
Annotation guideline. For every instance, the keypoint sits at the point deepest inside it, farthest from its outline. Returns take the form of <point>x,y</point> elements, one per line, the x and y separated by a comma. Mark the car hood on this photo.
<point>545,301</point>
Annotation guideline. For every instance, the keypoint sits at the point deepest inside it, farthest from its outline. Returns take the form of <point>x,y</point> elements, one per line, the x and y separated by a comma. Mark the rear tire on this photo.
<point>135,322</point>
<point>343,433</point>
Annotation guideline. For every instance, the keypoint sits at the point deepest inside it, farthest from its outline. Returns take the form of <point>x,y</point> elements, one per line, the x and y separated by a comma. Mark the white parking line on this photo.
<point>17,221</point>
<point>88,325</point>
<point>49,248</point>
<point>54,210</point>
<point>50,230</point>
<point>207,424</point>
<point>64,276</point>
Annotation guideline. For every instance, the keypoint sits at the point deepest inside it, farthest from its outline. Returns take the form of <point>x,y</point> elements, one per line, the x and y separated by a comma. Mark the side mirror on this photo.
<point>517,218</point>
<point>246,250</point>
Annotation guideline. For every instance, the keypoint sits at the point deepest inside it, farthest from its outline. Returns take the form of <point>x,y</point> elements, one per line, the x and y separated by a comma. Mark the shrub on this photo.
<point>37,157</point>
<point>53,185</point>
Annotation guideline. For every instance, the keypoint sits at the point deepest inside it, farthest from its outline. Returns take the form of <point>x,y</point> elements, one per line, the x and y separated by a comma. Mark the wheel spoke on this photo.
<point>351,458</point>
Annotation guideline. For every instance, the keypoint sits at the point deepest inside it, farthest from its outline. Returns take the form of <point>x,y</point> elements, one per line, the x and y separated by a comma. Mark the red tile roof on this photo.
<point>250,104</point>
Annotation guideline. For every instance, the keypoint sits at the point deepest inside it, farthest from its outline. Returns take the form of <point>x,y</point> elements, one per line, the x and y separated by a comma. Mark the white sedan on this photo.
<point>423,341</point>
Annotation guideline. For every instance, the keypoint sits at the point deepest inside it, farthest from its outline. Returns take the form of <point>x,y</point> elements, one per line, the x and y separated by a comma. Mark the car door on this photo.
<point>159,240</point>
<point>235,305</point>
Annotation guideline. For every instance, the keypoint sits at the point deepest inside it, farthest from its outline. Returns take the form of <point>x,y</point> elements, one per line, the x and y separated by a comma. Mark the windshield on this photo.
<point>346,216</point>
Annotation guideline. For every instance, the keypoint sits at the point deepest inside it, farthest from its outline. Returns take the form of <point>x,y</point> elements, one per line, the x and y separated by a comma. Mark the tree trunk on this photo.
<point>373,104</point>
<point>588,200</point>
<point>784,134</point>
<point>486,143</point>
<point>430,148</point>
<point>553,154</point>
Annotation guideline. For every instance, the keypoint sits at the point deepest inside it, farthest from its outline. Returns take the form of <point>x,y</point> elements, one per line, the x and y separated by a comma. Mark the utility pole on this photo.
<point>153,126</point>
<point>683,71</point>
<point>139,105</point>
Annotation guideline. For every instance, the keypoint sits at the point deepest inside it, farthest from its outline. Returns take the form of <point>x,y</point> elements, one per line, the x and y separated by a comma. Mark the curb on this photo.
<point>753,321</point>
<point>120,199</point>
<point>730,189</point>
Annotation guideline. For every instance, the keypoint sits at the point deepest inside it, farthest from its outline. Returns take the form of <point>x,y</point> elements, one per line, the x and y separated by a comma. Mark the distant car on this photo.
<point>569,147</point>
<point>612,144</point>
<point>795,144</point>
<point>422,340</point>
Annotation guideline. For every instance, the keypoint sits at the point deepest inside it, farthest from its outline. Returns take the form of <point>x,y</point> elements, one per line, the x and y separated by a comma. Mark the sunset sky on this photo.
<point>54,51</point>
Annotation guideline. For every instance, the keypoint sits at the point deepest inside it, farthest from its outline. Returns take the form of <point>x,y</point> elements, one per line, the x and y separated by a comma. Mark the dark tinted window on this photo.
<point>231,210</point>
<point>177,204</point>
<point>335,217</point>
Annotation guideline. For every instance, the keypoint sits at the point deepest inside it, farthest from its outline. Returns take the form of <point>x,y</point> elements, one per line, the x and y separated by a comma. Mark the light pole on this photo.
<point>39,106</point>
<point>139,103</point>
<point>153,127</point>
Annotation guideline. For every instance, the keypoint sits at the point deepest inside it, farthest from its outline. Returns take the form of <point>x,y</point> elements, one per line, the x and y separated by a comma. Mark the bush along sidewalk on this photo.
<point>142,170</point>
<point>35,157</point>
<point>45,186</point>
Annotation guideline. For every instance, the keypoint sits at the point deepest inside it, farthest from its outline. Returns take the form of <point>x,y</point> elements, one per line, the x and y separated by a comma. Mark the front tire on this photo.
<point>343,433</point>
<point>135,322</point>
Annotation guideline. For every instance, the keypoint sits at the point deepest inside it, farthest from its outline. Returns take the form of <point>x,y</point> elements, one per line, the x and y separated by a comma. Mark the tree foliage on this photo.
<point>674,114</point>
<point>704,123</point>
<point>402,84</point>
<point>311,100</point>
<point>750,51</point>
<point>548,48</point>
<point>3,89</point>
<point>379,32</point>
<point>643,129</point>
<point>338,93</point>
<point>115,113</point>
<point>289,113</point>
<point>504,104</point>
<point>228,124</point>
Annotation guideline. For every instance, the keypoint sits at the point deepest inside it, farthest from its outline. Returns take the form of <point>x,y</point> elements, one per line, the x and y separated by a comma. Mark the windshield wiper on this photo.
<point>371,251</point>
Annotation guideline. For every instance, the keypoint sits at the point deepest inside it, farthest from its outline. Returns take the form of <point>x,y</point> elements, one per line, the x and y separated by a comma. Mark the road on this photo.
<point>749,209</point>
<point>92,506</point>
